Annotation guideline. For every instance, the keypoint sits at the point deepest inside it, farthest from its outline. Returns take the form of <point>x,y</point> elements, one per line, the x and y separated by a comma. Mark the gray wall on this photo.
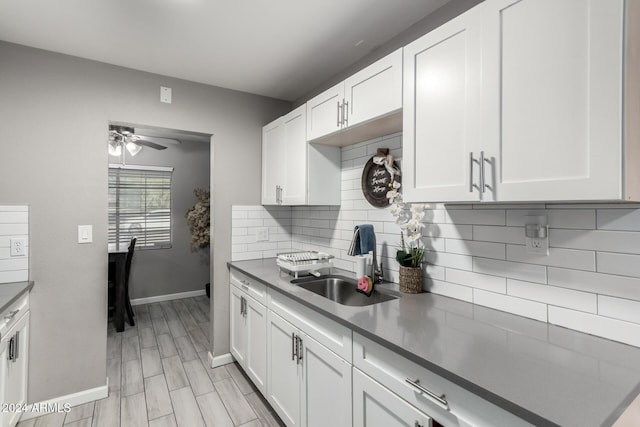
<point>54,112</point>
<point>177,269</point>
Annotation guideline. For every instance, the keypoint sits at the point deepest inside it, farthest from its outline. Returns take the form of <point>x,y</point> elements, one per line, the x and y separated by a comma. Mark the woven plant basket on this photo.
<point>411,280</point>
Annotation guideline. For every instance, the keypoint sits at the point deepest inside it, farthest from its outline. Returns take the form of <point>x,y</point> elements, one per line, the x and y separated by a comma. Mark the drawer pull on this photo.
<point>12,314</point>
<point>440,400</point>
<point>294,347</point>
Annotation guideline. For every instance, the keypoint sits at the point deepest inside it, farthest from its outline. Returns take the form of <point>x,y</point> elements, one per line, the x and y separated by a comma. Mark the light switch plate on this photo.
<point>85,233</point>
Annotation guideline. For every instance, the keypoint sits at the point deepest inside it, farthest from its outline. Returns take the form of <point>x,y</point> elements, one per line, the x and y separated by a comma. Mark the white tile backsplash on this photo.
<point>615,263</point>
<point>14,223</point>
<point>519,306</point>
<point>569,258</point>
<point>553,295</point>
<point>477,280</point>
<point>607,241</point>
<point>589,282</point>
<point>617,330</point>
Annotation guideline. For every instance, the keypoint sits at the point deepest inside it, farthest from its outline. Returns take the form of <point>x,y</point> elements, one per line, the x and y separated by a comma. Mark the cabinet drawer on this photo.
<point>327,332</point>
<point>376,406</point>
<point>445,401</point>
<point>11,315</point>
<point>252,287</point>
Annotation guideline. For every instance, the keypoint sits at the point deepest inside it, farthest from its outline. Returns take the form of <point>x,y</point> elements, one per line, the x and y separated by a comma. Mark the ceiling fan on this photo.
<point>121,137</point>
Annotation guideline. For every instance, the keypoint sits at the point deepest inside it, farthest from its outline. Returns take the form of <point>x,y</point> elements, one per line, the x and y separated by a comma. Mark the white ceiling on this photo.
<point>278,48</point>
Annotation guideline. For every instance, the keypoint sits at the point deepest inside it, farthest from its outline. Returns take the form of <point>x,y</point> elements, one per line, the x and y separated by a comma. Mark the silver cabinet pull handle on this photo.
<point>471,162</point>
<point>440,400</point>
<point>11,314</point>
<point>294,346</point>
<point>339,114</point>
<point>16,346</point>
<point>299,348</point>
<point>417,424</point>
<point>482,184</point>
<point>484,178</point>
<point>345,112</point>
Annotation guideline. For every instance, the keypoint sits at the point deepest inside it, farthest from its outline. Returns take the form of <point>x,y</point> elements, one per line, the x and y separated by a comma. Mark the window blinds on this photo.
<point>140,206</point>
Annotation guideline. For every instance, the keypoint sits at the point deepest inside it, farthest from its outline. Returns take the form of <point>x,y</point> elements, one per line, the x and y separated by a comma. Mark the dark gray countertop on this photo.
<point>10,292</point>
<point>543,373</point>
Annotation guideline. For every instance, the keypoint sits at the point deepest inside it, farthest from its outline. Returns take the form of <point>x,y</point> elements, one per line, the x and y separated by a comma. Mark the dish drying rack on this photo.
<point>304,262</point>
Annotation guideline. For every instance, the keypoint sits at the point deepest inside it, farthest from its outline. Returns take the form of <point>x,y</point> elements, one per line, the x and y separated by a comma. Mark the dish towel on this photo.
<point>363,241</point>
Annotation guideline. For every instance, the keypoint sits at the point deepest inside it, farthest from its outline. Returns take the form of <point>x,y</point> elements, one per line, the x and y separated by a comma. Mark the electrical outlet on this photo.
<point>18,246</point>
<point>262,234</point>
<point>165,94</point>
<point>536,234</point>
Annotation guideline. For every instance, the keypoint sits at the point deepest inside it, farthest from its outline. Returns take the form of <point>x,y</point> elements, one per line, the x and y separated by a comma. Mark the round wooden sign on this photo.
<point>375,183</point>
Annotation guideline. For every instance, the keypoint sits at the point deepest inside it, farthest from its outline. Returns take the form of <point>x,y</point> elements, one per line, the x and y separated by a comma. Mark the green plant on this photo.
<point>409,257</point>
<point>199,220</point>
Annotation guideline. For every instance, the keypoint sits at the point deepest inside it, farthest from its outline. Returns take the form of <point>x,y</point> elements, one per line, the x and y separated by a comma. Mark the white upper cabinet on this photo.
<point>374,91</point>
<point>524,100</point>
<point>324,112</point>
<point>294,184</point>
<point>441,129</point>
<point>370,96</point>
<point>272,162</point>
<point>295,172</point>
<point>552,98</point>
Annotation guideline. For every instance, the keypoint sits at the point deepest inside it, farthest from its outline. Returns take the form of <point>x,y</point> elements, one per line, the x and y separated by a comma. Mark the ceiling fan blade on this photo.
<point>150,144</point>
<point>159,139</point>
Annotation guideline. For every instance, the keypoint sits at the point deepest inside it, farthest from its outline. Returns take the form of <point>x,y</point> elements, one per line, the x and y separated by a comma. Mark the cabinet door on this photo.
<point>294,185</point>
<point>256,355</point>
<point>552,98</point>
<point>283,382</point>
<point>324,112</point>
<point>441,112</point>
<point>326,386</point>
<point>376,406</point>
<point>237,326</point>
<point>4,364</point>
<point>15,371</point>
<point>272,161</point>
<point>374,91</point>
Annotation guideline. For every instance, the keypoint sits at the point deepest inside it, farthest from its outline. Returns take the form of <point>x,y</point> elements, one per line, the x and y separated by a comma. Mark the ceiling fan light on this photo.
<point>133,148</point>
<point>115,149</point>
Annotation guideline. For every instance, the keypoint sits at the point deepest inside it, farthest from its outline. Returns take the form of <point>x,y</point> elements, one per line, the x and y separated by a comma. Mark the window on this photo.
<point>140,205</point>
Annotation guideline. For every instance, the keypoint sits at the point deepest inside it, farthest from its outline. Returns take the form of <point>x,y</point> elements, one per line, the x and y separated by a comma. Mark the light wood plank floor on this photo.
<point>159,377</point>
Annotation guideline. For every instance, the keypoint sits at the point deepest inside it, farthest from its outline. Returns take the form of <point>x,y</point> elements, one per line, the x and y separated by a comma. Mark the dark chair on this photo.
<point>127,270</point>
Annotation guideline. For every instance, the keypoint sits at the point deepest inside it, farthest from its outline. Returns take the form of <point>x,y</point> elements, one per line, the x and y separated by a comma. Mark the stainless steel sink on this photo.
<point>342,290</point>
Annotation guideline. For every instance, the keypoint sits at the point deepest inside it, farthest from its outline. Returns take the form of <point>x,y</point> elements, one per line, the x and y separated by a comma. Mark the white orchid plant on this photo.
<point>409,217</point>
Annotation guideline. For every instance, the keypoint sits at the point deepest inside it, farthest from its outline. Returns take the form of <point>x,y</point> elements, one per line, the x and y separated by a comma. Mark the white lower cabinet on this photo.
<point>283,375</point>
<point>14,355</point>
<point>307,384</point>
<point>316,372</point>
<point>248,330</point>
<point>423,389</point>
<point>376,406</point>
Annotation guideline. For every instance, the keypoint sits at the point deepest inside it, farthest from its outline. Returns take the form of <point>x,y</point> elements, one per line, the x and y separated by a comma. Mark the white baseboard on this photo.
<point>168,297</point>
<point>58,404</point>
<point>223,359</point>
